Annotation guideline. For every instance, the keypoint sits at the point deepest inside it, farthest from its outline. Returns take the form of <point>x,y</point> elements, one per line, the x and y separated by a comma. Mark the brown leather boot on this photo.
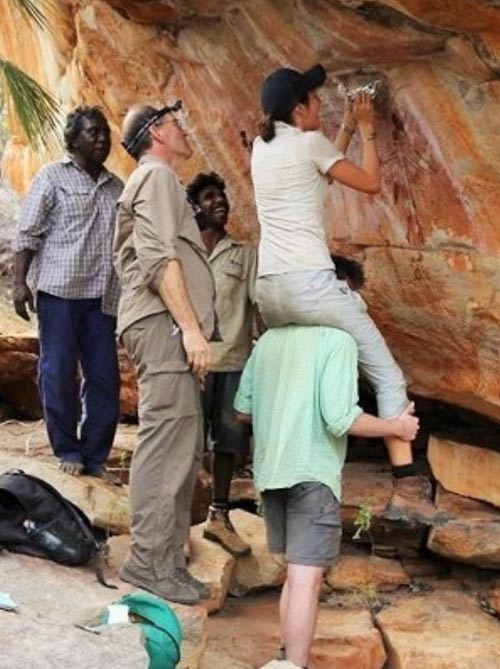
<point>411,501</point>
<point>219,528</point>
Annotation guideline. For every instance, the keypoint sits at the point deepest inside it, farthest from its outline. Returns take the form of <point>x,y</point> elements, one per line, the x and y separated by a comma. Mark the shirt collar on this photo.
<point>285,128</point>
<point>105,174</point>
<point>148,158</point>
<point>225,243</point>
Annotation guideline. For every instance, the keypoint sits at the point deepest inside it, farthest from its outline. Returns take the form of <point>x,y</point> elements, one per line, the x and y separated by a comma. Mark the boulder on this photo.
<point>493,598</point>
<point>424,566</point>
<point>193,621</point>
<point>106,505</point>
<point>466,470</point>
<point>211,564</point>
<point>38,642</point>
<point>445,629</point>
<point>471,536</point>
<point>18,371</point>
<point>47,590</point>
<point>347,640</point>
<point>117,549</point>
<point>260,569</point>
<point>208,562</point>
<point>362,572</point>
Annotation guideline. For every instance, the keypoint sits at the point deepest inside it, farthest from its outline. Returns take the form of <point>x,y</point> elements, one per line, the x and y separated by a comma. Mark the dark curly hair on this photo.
<point>202,181</point>
<point>74,122</point>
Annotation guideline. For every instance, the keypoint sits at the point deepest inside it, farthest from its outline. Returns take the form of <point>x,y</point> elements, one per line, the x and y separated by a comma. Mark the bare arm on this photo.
<point>347,129</point>
<point>22,295</point>
<point>367,177</point>
<point>173,291</point>
<point>404,426</point>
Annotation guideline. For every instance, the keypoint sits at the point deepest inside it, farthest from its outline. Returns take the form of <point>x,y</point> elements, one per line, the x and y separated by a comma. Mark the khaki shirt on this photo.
<point>155,224</point>
<point>234,266</point>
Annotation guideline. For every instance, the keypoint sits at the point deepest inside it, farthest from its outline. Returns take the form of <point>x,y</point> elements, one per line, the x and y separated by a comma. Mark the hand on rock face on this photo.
<point>23,297</point>
<point>406,425</point>
<point>363,111</point>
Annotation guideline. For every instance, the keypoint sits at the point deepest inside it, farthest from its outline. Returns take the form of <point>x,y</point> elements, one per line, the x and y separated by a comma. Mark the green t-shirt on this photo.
<point>301,387</point>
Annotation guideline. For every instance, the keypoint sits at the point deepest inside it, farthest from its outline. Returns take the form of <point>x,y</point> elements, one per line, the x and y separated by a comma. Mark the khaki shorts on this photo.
<point>303,522</point>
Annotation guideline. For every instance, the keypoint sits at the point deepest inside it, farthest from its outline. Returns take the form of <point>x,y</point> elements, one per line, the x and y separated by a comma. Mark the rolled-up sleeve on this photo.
<point>243,401</point>
<point>156,222</point>
<point>339,387</point>
<point>35,217</point>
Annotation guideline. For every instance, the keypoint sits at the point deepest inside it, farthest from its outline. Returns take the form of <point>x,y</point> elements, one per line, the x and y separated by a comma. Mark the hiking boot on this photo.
<point>170,589</point>
<point>185,576</point>
<point>219,528</point>
<point>411,501</point>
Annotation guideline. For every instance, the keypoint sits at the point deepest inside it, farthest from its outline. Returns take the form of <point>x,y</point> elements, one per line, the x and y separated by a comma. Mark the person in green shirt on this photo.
<point>299,390</point>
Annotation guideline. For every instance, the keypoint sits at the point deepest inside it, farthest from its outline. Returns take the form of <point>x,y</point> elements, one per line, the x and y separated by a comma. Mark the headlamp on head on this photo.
<point>131,143</point>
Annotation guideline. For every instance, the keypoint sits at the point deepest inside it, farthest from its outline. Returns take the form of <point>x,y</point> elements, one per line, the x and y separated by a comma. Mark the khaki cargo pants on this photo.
<point>170,446</point>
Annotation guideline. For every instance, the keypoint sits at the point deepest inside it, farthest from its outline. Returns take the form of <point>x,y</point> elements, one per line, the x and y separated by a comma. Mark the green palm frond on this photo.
<point>35,10</point>
<point>35,108</point>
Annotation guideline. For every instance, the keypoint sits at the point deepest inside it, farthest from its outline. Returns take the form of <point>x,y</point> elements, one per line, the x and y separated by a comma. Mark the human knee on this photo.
<point>304,577</point>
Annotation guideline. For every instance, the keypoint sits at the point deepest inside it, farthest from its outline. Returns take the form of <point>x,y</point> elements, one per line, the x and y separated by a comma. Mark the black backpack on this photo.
<point>37,520</point>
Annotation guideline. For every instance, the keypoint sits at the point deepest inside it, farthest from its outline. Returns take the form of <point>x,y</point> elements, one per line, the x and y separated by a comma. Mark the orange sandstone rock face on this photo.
<point>430,240</point>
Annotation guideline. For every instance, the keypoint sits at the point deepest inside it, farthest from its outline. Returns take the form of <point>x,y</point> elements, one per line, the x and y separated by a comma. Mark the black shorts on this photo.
<point>303,522</point>
<point>227,434</point>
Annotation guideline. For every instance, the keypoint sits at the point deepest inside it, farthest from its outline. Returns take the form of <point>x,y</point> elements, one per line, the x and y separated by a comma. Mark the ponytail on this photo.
<point>267,129</point>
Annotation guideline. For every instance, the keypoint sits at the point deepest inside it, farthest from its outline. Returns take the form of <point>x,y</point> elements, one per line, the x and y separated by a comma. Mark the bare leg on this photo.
<point>399,451</point>
<point>304,583</point>
<point>283,609</point>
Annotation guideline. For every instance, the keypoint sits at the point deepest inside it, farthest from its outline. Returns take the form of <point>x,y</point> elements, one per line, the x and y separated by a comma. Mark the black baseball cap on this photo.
<point>285,88</point>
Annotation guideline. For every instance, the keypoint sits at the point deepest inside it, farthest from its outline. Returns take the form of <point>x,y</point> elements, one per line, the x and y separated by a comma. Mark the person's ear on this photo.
<point>154,133</point>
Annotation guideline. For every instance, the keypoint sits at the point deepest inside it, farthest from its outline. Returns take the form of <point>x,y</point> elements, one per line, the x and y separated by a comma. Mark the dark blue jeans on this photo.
<point>78,378</point>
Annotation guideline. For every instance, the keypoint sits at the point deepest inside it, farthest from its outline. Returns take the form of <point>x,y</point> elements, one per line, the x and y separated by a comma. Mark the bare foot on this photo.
<point>72,468</point>
<point>105,475</point>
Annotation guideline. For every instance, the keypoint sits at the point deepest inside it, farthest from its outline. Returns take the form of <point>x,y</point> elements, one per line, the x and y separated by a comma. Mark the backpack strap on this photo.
<point>97,559</point>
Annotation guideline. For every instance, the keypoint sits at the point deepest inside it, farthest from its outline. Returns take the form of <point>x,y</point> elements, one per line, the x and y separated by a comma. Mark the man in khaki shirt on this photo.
<point>165,320</point>
<point>234,266</point>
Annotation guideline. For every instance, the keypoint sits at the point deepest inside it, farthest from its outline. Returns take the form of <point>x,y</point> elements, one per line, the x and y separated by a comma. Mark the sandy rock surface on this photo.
<point>260,569</point>
<point>446,630</point>
<point>466,470</point>
<point>471,536</point>
<point>50,594</point>
<point>353,572</point>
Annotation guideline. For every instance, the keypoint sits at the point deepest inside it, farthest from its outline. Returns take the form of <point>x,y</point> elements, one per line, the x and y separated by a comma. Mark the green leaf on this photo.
<point>35,108</point>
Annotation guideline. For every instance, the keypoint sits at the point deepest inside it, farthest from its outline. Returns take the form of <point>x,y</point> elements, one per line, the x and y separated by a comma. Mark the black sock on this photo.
<point>219,506</point>
<point>402,471</point>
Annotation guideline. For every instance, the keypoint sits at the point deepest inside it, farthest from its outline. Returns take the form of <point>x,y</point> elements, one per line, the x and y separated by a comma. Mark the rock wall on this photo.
<point>430,240</point>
